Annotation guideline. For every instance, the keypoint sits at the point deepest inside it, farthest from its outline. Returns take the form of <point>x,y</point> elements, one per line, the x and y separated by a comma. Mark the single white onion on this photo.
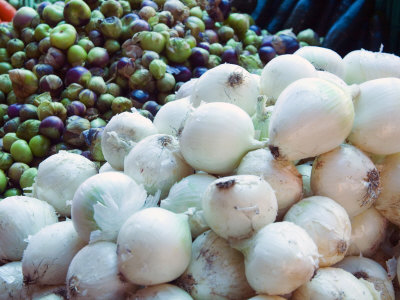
<point>103,203</point>
<point>93,274</point>
<point>185,197</point>
<point>281,71</point>
<point>327,223</point>
<point>388,200</point>
<point>282,175</point>
<point>376,127</point>
<point>20,217</point>
<point>154,246</point>
<point>59,176</point>
<point>121,134</point>
<point>171,118</point>
<point>49,253</point>
<point>106,167</point>
<point>11,281</point>
<point>157,163</point>
<point>227,83</point>
<point>161,292</point>
<point>323,59</point>
<point>332,284</point>
<point>363,65</point>
<point>362,267</point>
<point>186,89</point>
<point>216,136</point>
<point>279,258</point>
<point>311,116</point>
<point>235,207</point>
<point>305,172</point>
<point>347,176</point>
<point>367,233</point>
<point>216,271</point>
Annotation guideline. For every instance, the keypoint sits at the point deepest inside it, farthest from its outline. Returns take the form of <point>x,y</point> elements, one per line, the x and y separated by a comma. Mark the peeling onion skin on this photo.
<point>388,202</point>
<point>49,253</point>
<point>291,244</point>
<point>216,270</point>
<point>93,274</point>
<point>328,224</point>
<point>331,284</point>
<point>282,175</point>
<point>161,292</point>
<point>305,172</point>
<point>11,281</point>
<point>368,232</point>
<point>368,269</point>
<point>303,114</point>
<point>347,176</point>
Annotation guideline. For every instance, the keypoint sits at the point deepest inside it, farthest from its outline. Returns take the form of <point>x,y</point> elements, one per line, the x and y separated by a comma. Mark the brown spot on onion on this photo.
<point>235,79</point>
<point>225,184</point>
<point>361,274</point>
<point>373,189</point>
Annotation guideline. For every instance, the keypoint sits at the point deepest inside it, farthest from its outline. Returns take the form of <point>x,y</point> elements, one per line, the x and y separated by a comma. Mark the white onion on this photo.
<point>362,267</point>
<point>216,136</point>
<point>353,90</point>
<point>332,284</point>
<point>93,274</point>
<point>388,200</point>
<point>11,281</point>
<point>154,246</point>
<point>216,271</point>
<point>279,258</point>
<point>311,116</point>
<point>235,207</point>
<point>48,292</point>
<point>376,127</point>
<point>282,175</point>
<point>227,83</point>
<point>186,89</point>
<point>327,223</point>
<point>305,172</point>
<point>106,167</point>
<point>20,217</point>
<point>171,118</point>
<point>363,65</point>
<point>323,59</point>
<point>58,178</point>
<point>103,203</point>
<point>121,134</point>
<point>161,292</point>
<point>281,71</point>
<point>49,253</point>
<point>185,197</point>
<point>157,163</point>
<point>347,176</point>
<point>367,233</point>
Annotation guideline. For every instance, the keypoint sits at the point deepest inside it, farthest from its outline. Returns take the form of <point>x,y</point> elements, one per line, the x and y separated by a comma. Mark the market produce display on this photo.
<point>174,150</point>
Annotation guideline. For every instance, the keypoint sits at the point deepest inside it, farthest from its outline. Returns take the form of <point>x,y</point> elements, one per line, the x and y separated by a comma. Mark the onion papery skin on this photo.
<point>103,202</point>
<point>367,232</point>
<point>376,127</point>
<point>216,136</point>
<point>328,224</point>
<point>20,217</point>
<point>323,59</point>
<point>282,175</point>
<point>171,118</point>
<point>268,248</point>
<point>121,134</point>
<point>49,253</point>
<point>363,65</point>
<point>347,176</point>
<point>216,271</point>
<point>304,113</point>
<point>305,172</point>
<point>157,163</point>
<point>186,89</point>
<point>154,246</point>
<point>283,70</point>
<point>227,83</point>
<point>59,176</point>
<point>160,292</point>
<point>388,202</point>
<point>332,284</point>
<point>11,281</point>
<point>93,274</point>
<point>371,271</point>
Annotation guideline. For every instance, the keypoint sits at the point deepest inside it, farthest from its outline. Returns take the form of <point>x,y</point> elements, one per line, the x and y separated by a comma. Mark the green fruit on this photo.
<point>27,178</point>
<point>63,36</point>
<point>3,181</point>
<point>21,152</point>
